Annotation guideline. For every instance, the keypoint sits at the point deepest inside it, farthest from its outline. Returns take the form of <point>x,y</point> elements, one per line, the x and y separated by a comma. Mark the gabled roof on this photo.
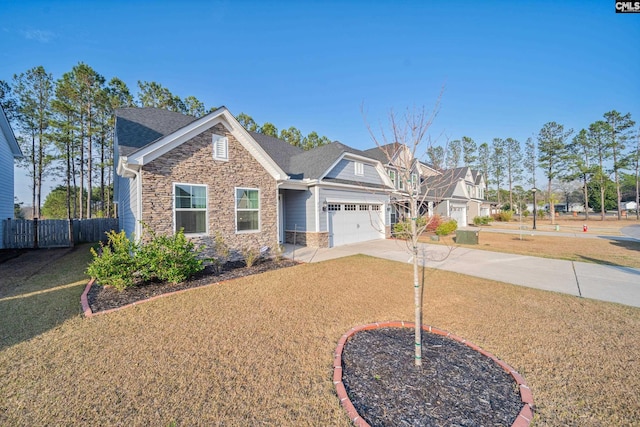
<point>138,127</point>
<point>144,134</point>
<point>279,150</point>
<point>315,163</point>
<point>383,153</point>
<point>5,127</point>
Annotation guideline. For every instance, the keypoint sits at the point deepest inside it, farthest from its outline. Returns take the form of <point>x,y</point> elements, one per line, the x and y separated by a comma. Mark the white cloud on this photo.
<point>42,36</point>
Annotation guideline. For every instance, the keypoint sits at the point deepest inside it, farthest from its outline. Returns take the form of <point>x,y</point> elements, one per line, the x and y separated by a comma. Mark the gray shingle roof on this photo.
<point>383,153</point>
<point>314,163</point>
<point>280,151</point>
<point>138,127</point>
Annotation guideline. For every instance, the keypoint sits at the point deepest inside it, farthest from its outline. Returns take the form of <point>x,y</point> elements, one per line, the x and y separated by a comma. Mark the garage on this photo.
<point>354,222</point>
<point>459,213</point>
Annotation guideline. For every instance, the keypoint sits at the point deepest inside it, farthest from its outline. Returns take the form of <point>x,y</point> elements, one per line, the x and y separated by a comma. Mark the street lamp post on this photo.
<point>535,213</point>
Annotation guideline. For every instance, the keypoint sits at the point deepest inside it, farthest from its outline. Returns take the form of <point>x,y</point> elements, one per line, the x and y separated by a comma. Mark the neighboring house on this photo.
<point>210,176</point>
<point>455,193</point>
<point>458,194</point>
<point>9,151</point>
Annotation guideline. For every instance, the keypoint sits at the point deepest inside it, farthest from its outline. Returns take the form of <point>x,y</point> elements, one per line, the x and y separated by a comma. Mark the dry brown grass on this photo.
<point>570,224</point>
<point>258,350</point>
<point>599,251</point>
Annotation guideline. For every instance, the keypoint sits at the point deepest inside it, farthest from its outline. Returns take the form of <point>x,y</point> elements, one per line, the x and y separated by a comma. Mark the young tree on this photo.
<point>513,163</point>
<point>408,135</point>
<point>634,160</point>
<point>620,128</point>
<point>469,149</point>
<point>34,91</point>
<point>552,152</point>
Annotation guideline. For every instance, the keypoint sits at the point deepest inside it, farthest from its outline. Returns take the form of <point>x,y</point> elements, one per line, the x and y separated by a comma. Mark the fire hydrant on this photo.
<point>585,228</point>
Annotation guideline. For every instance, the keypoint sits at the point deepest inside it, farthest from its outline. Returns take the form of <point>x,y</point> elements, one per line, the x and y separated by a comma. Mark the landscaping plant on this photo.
<point>115,263</point>
<point>447,228</point>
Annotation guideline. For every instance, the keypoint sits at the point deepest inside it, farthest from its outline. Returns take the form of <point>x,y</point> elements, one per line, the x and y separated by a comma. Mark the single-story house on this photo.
<point>9,151</point>
<point>210,176</point>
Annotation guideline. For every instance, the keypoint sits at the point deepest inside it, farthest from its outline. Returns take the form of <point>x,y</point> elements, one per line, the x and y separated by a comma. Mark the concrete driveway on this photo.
<point>605,283</point>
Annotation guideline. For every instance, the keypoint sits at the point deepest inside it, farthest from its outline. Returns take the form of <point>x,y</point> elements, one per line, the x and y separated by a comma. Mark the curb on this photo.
<point>522,420</point>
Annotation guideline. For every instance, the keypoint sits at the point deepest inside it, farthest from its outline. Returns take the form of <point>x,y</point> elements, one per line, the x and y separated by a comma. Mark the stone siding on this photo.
<point>192,163</point>
<point>310,239</point>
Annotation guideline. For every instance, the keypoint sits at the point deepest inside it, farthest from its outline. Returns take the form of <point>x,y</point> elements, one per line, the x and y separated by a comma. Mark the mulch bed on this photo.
<point>455,386</point>
<point>106,298</point>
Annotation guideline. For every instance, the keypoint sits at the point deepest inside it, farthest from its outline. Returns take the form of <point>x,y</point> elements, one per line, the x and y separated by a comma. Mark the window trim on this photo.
<point>358,168</point>
<point>215,139</point>
<point>205,209</point>
<point>235,210</point>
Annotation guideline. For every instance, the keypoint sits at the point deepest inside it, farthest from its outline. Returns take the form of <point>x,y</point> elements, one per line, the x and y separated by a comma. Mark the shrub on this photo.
<point>482,220</point>
<point>403,229</point>
<point>250,255</point>
<point>447,227</point>
<point>526,213</point>
<point>220,247</point>
<point>434,223</point>
<point>503,216</point>
<point>116,264</point>
<point>170,258</point>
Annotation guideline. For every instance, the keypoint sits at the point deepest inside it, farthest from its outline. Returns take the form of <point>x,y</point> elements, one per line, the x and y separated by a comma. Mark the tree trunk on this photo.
<point>552,208</point>
<point>585,191</point>
<point>417,287</point>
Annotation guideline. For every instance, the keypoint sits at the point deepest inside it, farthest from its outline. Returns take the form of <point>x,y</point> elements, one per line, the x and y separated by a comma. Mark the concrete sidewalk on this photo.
<point>605,283</point>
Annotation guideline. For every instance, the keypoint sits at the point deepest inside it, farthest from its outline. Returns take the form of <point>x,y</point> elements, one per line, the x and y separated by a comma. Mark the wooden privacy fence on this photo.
<point>54,233</point>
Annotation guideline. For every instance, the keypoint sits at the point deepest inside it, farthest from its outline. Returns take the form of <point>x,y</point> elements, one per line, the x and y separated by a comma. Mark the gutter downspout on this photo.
<point>137,233</point>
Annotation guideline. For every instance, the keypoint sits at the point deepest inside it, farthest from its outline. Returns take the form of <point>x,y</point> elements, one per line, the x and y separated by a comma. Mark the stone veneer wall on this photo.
<point>310,239</point>
<point>193,163</point>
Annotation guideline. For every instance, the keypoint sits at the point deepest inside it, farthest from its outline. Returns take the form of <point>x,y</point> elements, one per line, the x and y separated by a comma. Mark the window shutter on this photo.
<point>220,147</point>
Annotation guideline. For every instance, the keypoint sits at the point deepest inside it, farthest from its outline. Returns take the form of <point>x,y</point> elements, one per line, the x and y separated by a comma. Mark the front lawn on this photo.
<point>259,350</point>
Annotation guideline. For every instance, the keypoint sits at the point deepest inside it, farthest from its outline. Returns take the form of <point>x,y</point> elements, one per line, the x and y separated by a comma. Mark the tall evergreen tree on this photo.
<point>620,129</point>
<point>552,153</point>
<point>34,91</point>
<point>483,162</point>
<point>581,164</point>
<point>513,163</point>
<point>529,161</point>
<point>498,164</point>
<point>598,134</point>
<point>469,150</point>
<point>454,151</point>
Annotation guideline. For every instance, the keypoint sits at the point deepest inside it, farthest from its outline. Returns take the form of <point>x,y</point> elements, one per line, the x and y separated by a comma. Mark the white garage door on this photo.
<point>459,213</point>
<point>354,222</point>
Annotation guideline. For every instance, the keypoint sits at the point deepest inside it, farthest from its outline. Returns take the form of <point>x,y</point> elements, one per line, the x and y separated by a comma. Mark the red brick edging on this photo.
<point>523,419</point>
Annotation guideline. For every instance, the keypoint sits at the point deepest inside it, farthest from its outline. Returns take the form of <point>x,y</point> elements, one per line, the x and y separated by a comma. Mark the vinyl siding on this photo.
<point>127,202</point>
<point>6,183</point>
<point>299,210</point>
<point>345,169</point>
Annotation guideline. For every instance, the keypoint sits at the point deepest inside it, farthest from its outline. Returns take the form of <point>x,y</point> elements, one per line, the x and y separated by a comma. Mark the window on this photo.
<point>247,209</point>
<point>349,207</point>
<point>220,147</point>
<point>375,207</point>
<point>334,207</point>
<point>359,168</point>
<point>414,181</point>
<point>392,175</point>
<point>363,207</point>
<point>190,207</point>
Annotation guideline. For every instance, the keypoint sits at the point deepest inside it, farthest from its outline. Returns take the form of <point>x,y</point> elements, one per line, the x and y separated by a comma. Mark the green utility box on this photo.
<point>467,237</point>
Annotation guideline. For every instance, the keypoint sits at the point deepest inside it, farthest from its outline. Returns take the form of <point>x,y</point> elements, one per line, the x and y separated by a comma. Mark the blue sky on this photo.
<point>506,67</point>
